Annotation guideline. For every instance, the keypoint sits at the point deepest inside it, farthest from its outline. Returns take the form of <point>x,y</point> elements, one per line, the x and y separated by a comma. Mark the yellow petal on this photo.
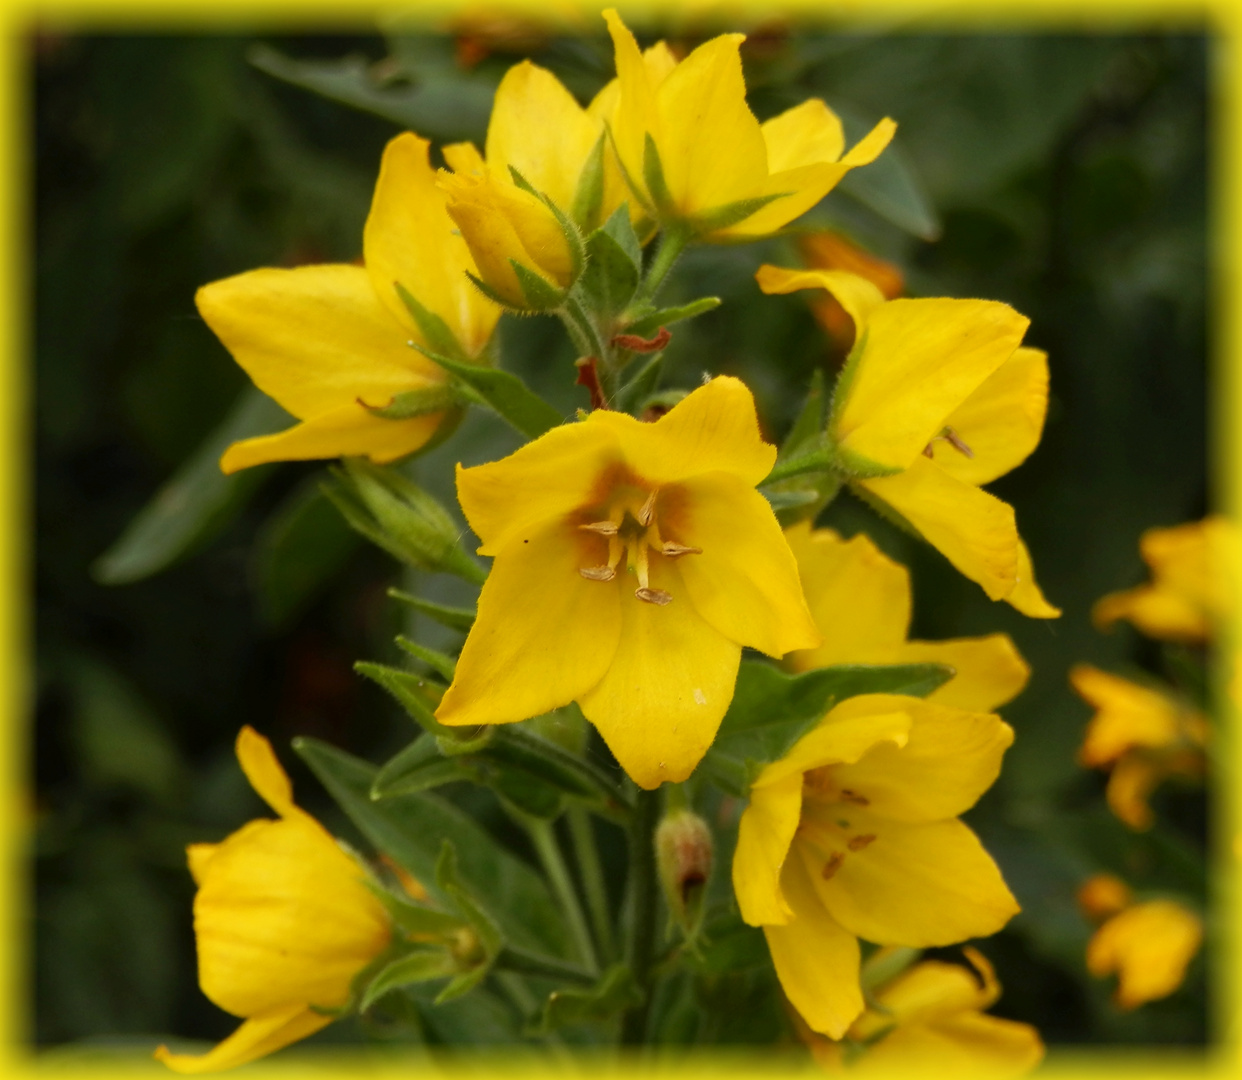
<point>1026,596</point>
<point>745,581</point>
<point>930,989</point>
<point>349,430</point>
<point>564,470</point>
<point>315,338</point>
<point>713,428</point>
<point>198,856</point>
<point>807,134</point>
<point>856,294</point>
<point>1127,715</point>
<point>544,634</point>
<point>661,700</point>
<point>975,531</point>
<point>1001,422</point>
<point>1158,613</point>
<point>951,758</point>
<point>990,670</point>
<point>1130,784</point>
<point>257,1037</point>
<point>966,1044</point>
<point>816,960</point>
<point>409,238</point>
<point>464,159</point>
<point>537,127</point>
<point>920,360</point>
<point>635,113</point>
<point>1149,946</point>
<point>851,576</point>
<point>915,884</point>
<point>264,771</point>
<point>764,833</point>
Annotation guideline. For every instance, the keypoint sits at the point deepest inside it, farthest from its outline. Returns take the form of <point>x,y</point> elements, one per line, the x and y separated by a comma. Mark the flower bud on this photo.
<point>684,856</point>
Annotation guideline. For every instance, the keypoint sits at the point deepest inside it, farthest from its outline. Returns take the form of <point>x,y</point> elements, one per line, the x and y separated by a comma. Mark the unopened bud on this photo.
<point>684,855</point>
<point>1103,896</point>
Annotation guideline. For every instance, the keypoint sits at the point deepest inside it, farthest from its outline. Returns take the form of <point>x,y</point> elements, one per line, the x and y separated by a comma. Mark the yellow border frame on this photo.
<point>1220,18</point>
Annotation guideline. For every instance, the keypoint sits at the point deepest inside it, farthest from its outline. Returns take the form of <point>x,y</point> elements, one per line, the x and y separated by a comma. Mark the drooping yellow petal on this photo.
<point>1127,715</point>
<point>816,959</point>
<point>965,1044</point>
<point>951,758</point>
<point>714,428</point>
<point>349,430</point>
<point>919,884</point>
<point>660,703</point>
<point>409,238</point>
<point>563,470</point>
<point>859,598</point>
<point>858,296</point>
<point>1027,596</point>
<point>920,361</point>
<point>544,634</point>
<point>257,1037</point>
<point>974,530</point>
<point>1149,946</point>
<point>990,670</point>
<point>1158,613</point>
<point>315,338</point>
<point>264,771</point>
<point>1000,423</point>
<point>763,836</point>
<point>745,580</point>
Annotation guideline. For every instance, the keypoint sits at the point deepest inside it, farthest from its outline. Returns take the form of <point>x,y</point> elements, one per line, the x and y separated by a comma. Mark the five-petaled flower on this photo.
<point>632,563</point>
<point>331,343</point>
<point>936,399</point>
<point>284,921</point>
<point>854,834</point>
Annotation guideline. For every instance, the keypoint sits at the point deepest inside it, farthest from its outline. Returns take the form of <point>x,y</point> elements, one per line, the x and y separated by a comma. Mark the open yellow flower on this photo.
<point>632,563</point>
<point>1149,946</point>
<point>936,399</point>
<point>854,576</point>
<point>327,341</point>
<point>854,834</point>
<point>714,155</point>
<point>1190,593</point>
<point>284,921</point>
<point>1142,735</point>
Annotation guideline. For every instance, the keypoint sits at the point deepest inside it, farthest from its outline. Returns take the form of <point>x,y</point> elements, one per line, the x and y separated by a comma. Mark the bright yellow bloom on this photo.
<point>1142,735</point>
<point>932,1015</point>
<point>284,921</point>
<point>855,576</point>
<point>854,834</point>
<point>714,154</point>
<point>324,340</point>
<point>936,399</point>
<point>1149,946</point>
<point>632,563</point>
<point>1190,593</point>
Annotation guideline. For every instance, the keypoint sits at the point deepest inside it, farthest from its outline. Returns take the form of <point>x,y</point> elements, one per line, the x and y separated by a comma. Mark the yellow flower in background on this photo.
<point>825,249</point>
<point>936,399</point>
<point>632,563</point>
<point>1102,896</point>
<point>1191,591</point>
<point>854,576</point>
<point>932,1015</point>
<point>713,153</point>
<point>854,834</point>
<point>284,921</point>
<point>1149,947</point>
<point>1142,735</point>
<point>326,341</point>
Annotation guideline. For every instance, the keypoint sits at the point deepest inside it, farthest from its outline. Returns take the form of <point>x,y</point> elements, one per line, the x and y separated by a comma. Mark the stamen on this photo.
<point>604,528</point>
<point>832,865</point>
<point>640,566</point>
<point>674,550</point>
<point>955,441</point>
<point>853,797</point>
<point>857,843</point>
<point>654,596</point>
<point>647,509</point>
<point>597,573</point>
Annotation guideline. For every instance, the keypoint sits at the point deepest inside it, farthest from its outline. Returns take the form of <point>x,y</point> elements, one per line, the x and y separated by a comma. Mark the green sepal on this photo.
<point>854,466</point>
<point>435,331</point>
<point>502,392</point>
<point>802,496</point>
<point>441,663</point>
<point>553,764</point>
<point>465,741</point>
<point>417,966</point>
<point>730,214</point>
<point>648,322</point>
<point>573,238</point>
<point>410,691</point>
<point>614,266</point>
<point>413,918</point>
<point>539,293</point>
<point>492,295</point>
<point>635,188</point>
<point>418,767</point>
<point>615,992</point>
<point>589,193</point>
<point>653,177</point>
<point>453,617</point>
<point>486,932</point>
<point>419,402</point>
<point>811,419</point>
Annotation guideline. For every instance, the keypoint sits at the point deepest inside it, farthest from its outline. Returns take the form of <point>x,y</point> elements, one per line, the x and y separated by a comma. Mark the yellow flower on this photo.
<point>932,1015</point>
<point>714,155</point>
<point>1142,735</point>
<point>855,576</point>
<point>1190,594</point>
<point>651,655</point>
<point>284,921</point>
<point>1149,946</point>
<point>854,834</point>
<point>324,340</point>
<point>936,399</point>
<point>1103,895</point>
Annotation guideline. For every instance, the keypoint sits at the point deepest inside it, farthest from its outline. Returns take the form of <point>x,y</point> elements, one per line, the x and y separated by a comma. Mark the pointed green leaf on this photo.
<point>612,273</point>
<point>440,662</point>
<point>418,767</point>
<point>410,690</point>
<point>415,918</point>
<point>650,322</point>
<point>452,617</point>
<point>435,330</point>
<point>422,965</point>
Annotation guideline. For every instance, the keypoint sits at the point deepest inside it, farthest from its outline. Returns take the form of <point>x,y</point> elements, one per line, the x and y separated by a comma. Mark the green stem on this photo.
<point>672,243</point>
<point>545,967</point>
<point>583,330</point>
<point>553,862</point>
<point>592,880</point>
<point>640,951</point>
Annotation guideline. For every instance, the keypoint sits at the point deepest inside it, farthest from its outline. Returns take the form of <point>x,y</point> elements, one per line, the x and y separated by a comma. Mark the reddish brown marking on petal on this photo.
<point>832,865</point>
<point>854,797</point>
<point>857,843</point>
<point>588,376</point>
<point>645,345</point>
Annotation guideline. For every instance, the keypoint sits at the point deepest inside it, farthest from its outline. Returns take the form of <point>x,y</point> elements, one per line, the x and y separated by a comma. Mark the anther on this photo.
<point>604,528</point>
<point>955,441</point>
<point>854,797</point>
<point>654,596</point>
<point>857,843</point>
<point>674,551</point>
<point>597,573</point>
<point>647,510</point>
<point>832,865</point>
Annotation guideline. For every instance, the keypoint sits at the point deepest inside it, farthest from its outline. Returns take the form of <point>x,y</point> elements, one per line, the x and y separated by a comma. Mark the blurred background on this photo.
<point>1063,174</point>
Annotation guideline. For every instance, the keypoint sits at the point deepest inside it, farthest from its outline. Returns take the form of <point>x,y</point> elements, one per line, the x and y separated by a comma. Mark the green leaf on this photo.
<point>422,965</point>
<point>504,393</point>
<point>199,500</point>
<point>410,690</point>
<point>614,266</point>
<point>439,662</point>
<point>452,617</point>
<point>891,187</point>
<point>449,880</point>
<point>649,322</point>
<point>411,828</point>
<point>615,992</point>
<point>589,194</point>
<point>414,918</point>
<point>653,178</point>
<point>419,767</point>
